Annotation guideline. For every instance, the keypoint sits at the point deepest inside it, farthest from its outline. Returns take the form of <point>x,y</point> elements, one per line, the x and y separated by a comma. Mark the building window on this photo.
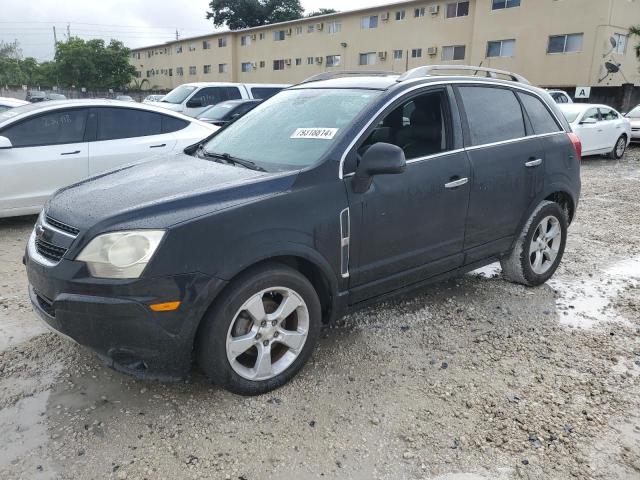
<point>207,69</point>
<point>299,30</point>
<point>192,47</point>
<point>416,53</point>
<point>333,60</point>
<point>171,72</point>
<point>565,43</point>
<point>178,48</point>
<point>499,4</point>
<point>368,58</point>
<point>309,60</point>
<point>245,40</point>
<point>453,52</point>
<point>370,21</point>
<point>278,64</point>
<point>222,42</point>
<point>501,48</point>
<point>246,67</point>
<point>262,35</point>
<point>311,28</point>
<point>335,27</point>
<point>397,54</point>
<point>298,61</point>
<point>179,71</point>
<point>621,43</point>
<point>419,12</point>
<point>223,68</point>
<point>457,9</point>
<point>192,70</point>
<point>278,35</point>
<point>400,15</point>
<point>262,64</point>
<point>206,44</point>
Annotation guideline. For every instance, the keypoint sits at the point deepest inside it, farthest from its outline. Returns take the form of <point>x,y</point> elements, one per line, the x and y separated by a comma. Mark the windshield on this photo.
<point>179,94</point>
<point>293,129</point>
<point>217,112</point>
<point>635,113</point>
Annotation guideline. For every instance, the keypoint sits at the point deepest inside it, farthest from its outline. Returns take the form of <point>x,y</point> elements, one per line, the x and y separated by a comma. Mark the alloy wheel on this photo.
<point>620,147</point>
<point>545,245</point>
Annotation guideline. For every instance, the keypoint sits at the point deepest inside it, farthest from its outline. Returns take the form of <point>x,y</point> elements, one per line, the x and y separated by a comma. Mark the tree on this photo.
<point>322,11</point>
<point>238,14</point>
<point>635,31</point>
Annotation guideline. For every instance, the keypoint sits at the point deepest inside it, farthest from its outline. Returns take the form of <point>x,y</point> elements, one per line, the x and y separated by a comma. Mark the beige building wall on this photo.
<point>304,52</point>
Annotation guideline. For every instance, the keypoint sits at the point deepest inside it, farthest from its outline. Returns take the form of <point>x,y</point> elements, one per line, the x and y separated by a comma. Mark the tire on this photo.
<point>239,336</point>
<point>619,148</point>
<point>520,265</point>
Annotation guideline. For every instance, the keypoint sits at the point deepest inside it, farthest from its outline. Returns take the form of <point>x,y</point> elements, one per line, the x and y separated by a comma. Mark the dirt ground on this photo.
<point>475,378</point>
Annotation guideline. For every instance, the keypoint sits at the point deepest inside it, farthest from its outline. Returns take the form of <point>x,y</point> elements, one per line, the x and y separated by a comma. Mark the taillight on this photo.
<point>577,145</point>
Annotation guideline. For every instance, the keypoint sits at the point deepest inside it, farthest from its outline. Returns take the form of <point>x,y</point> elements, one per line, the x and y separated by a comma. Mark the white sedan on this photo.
<point>49,145</point>
<point>601,129</point>
<point>634,118</point>
<point>6,103</point>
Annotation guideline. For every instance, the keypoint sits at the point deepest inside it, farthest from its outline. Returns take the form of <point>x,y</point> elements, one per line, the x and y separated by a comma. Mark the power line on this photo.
<point>109,25</point>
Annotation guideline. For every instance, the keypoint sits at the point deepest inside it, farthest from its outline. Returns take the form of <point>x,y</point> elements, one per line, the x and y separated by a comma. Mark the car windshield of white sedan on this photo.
<point>291,130</point>
<point>635,113</point>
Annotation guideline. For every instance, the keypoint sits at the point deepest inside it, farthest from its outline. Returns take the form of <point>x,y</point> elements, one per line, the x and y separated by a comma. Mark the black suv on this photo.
<point>334,193</point>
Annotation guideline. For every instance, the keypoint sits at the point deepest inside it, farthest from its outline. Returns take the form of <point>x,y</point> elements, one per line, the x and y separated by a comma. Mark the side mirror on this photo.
<point>194,103</point>
<point>588,121</point>
<point>5,143</point>
<point>379,159</point>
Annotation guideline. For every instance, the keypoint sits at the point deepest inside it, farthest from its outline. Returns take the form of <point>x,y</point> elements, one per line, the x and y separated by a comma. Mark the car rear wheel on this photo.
<point>539,248</point>
<point>619,148</point>
<point>261,331</point>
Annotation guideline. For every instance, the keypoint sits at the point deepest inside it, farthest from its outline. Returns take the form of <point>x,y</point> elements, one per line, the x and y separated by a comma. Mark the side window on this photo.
<point>114,123</point>
<point>493,114</point>
<point>591,113</point>
<point>264,92</point>
<point>559,97</point>
<point>418,126</point>
<point>172,124</point>
<point>214,95</point>
<point>540,117</point>
<point>55,128</point>
<point>608,114</point>
<point>233,93</point>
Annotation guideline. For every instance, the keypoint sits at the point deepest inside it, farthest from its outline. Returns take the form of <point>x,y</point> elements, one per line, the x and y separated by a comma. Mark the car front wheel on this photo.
<point>261,331</point>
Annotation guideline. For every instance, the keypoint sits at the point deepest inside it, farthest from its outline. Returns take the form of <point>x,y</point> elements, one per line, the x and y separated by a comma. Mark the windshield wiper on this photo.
<point>233,160</point>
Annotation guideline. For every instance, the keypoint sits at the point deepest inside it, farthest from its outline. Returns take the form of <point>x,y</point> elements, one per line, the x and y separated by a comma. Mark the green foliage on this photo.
<point>238,14</point>
<point>635,31</point>
<point>322,11</point>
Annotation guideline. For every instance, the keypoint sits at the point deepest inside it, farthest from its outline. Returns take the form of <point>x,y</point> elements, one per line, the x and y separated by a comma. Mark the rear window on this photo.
<point>114,123</point>
<point>494,114</point>
<point>172,124</point>
<point>541,119</point>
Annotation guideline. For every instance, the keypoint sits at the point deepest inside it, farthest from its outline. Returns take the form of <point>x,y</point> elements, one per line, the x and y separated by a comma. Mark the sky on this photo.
<point>135,22</point>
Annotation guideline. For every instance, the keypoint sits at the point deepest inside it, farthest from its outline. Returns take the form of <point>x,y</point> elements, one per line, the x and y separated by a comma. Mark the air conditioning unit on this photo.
<point>253,37</point>
<point>318,60</point>
<point>288,31</point>
<point>385,16</point>
<point>432,50</point>
<point>319,26</point>
<point>434,9</point>
<point>254,65</point>
<point>382,55</point>
<point>287,61</point>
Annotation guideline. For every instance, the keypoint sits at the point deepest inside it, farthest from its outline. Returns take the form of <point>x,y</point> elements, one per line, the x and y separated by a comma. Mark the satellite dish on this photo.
<point>613,41</point>
<point>612,67</point>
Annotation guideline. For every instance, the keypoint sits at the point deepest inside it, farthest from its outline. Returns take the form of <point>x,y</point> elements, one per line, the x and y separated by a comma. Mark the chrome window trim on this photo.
<point>512,140</point>
<point>345,242</point>
<point>343,158</point>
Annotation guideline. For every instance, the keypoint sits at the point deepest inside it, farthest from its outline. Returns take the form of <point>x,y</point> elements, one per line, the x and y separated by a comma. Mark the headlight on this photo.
<point>120,254</point>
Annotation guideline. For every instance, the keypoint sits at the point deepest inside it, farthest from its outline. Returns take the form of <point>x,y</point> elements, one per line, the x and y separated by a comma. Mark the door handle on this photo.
<point>70,153</point>
<point>533,163</point>
<point>456,183</point>
<point>158,146</point>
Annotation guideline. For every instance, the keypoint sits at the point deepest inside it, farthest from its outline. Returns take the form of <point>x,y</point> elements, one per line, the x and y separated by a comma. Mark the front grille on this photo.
<point>62,226</point>
<point>45,305</point>
<point>47,250</point>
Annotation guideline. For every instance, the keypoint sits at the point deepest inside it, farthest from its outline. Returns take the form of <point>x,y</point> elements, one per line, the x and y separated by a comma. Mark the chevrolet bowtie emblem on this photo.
<point>39,232</point>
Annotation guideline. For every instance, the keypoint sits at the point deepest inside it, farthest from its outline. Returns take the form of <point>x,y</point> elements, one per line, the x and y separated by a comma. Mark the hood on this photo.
<point>160,193</point>
<point>176,107</point>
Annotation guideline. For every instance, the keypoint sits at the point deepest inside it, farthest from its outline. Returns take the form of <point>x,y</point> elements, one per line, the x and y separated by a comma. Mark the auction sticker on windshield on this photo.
<point>323,133</point>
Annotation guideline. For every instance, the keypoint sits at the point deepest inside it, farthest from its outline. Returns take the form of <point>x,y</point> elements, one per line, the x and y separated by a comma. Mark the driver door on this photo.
<point>408,227</point>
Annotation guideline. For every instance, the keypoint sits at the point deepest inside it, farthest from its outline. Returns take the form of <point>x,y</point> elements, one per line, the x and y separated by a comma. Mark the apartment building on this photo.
<point>554,43</point>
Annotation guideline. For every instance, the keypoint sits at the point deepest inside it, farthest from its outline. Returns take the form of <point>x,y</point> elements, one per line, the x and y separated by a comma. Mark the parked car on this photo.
<point>634,120</point>
<point>35,96</point>
<point>56,96</point>
<point>601,129</point>
<point>6,103</point>
<point>192,98</point>
<point>125,98</point>
<point>152,98</point>
<point>49,145</point>
<point>318,201</point>
<point>225,112</point>
<point>560,96</point>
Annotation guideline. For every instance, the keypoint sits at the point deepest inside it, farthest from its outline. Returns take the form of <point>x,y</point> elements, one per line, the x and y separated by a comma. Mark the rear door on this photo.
<point>591,134</point>
<point>611,127</point>
<point>126,135</point>
<point>500,152</point>
<point>208,96</point>
<point>49,152</point>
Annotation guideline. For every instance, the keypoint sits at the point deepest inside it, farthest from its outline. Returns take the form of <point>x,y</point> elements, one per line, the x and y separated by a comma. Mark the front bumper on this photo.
<point>113,318</point>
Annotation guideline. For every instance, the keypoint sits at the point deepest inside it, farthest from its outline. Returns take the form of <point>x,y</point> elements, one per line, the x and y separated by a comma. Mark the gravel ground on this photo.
<point>475,378</point>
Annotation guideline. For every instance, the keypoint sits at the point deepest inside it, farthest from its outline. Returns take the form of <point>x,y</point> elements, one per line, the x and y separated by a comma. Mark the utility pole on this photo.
<point>55,37</point>
<point>68,32</point>
<point>177,35</point>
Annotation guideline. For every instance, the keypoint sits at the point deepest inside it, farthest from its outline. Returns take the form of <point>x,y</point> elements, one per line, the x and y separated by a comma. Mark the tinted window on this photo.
<point>114,123</point>
<point>591,113</point>
<point>540,117</point>
<point>264,92</point>
<point>59,127</point>
<point>172,124</point>
<point>213,95</point>
<point>608,114</point>
<point>559,97</point>
<point>493,114</point>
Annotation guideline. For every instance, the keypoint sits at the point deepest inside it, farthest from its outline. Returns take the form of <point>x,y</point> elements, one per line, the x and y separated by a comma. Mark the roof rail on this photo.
<point>347,73</point>
<point>429,70</point>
